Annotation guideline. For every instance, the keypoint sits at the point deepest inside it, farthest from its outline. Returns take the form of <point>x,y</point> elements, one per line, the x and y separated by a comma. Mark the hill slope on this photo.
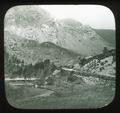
<point>107,34</point>
<point>80,38</point>
<point>30,23</point>
<point>31,51</point>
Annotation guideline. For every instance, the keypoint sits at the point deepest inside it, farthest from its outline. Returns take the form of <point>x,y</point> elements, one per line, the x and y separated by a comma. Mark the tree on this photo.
<point>50,81</point>
<point>44,72</point>
<point>47,68</point>
<point>52,68</point>
<point>105,51</point>
<point>38,68</point>
<point>82,61</point>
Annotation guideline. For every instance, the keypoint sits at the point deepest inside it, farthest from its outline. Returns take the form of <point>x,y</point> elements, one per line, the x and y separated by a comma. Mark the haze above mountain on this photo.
<point>28,24</point>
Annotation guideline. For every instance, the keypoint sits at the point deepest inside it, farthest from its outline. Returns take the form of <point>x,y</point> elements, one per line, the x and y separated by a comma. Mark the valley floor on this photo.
<point>93,96</point>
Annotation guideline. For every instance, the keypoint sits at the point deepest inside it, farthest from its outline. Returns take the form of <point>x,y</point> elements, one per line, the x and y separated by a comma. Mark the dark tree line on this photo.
<point>15,67</point>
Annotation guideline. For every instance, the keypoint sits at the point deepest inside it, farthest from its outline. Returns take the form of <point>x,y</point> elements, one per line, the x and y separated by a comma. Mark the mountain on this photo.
<point>32,51</point>
<point>80,38</point>
<point>31,23</point>
<point>107,34</point>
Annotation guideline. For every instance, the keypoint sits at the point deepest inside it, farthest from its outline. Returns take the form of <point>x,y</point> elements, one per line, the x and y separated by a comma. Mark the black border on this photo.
<point>4,6</point>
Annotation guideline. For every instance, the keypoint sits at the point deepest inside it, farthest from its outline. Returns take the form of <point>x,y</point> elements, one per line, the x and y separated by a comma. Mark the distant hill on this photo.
<point>107,34</point>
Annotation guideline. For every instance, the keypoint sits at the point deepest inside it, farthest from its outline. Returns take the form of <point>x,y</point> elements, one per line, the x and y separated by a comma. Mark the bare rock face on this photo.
<point>33,23</point>
<point>30,23</point>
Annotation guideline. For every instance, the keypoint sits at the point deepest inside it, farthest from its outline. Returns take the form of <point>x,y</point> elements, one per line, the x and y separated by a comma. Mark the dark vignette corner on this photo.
<point>114,6</point>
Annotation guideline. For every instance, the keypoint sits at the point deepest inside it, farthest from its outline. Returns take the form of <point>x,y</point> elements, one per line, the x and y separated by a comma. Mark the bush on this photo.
<point>50,81</point>
<point>72,78</point>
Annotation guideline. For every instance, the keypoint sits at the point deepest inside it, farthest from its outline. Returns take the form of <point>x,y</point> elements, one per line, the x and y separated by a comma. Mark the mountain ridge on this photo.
<point>68,33</point>
<point>32,51</point>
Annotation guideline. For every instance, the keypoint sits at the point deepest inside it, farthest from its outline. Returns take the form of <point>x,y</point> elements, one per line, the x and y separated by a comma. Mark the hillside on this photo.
<point>108,35</point>
<point>61,88</point>
<point>31,51</point>
<point>31,23</point>
<point>56,64</point>
<point>80,38</point>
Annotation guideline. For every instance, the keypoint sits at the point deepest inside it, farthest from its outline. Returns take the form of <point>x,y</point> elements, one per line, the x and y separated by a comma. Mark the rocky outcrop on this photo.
<point>36,24</point>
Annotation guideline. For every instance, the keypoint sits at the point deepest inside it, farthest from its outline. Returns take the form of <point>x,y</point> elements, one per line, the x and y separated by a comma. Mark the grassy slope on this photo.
<point>107,34</point>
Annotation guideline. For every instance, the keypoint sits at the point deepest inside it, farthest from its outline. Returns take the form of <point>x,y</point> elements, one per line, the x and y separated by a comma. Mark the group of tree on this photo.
<point>15,67</point>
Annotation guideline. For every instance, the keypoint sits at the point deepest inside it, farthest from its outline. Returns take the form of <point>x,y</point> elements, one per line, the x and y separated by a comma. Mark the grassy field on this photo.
<point>94,96</point>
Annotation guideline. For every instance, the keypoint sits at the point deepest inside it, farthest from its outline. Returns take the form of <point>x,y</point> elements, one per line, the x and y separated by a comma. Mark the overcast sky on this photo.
<point>97,16</point>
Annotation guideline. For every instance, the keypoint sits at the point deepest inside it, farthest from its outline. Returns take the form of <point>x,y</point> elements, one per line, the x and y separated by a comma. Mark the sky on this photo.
<point>97,16</point>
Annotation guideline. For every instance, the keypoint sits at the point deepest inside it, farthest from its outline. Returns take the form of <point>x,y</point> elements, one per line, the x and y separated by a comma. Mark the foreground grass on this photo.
<point>87,97</point>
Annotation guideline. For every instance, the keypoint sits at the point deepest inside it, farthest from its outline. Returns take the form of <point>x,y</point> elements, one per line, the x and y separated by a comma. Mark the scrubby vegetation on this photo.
<point>62,87</point>
<point>52,63</point>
